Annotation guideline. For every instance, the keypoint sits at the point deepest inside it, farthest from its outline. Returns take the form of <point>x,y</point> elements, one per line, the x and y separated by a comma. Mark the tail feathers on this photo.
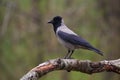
<point>97,51</point>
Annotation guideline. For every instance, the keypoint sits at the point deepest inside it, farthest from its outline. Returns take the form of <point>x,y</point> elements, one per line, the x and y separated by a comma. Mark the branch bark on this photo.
<point>85,66</point>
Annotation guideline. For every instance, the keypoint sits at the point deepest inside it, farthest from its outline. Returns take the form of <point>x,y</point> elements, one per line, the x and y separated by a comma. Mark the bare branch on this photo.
<point>84,66</point>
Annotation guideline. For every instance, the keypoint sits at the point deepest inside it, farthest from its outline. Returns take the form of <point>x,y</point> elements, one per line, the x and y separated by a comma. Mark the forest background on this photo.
<point>27,40</point>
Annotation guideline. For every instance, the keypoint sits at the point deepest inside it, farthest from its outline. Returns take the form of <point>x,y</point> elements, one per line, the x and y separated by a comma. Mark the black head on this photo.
<point>56,21</point>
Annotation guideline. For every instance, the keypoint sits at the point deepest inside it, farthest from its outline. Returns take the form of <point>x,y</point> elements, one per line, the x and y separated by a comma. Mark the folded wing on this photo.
<point>77,40</point>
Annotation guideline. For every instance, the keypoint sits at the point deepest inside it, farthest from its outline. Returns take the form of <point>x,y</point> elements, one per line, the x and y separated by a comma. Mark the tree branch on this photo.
<point>84,66</point>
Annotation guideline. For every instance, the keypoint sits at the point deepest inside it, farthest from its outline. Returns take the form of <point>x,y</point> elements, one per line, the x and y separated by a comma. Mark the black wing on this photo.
<point>73,39</point>
<point>77,40</point>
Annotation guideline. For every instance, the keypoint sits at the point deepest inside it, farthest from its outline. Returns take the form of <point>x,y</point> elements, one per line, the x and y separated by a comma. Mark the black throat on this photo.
<point>55,26</point>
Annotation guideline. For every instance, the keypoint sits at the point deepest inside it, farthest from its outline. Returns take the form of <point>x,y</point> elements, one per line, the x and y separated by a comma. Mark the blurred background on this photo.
<point>27,40</point>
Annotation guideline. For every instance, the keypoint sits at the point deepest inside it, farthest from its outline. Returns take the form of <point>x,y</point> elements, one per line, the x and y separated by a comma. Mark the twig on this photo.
<point>84,66</point>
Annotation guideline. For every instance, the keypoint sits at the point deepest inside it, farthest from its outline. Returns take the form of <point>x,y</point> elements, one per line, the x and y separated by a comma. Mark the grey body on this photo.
<point>70,39</point>
<point>65,29</point>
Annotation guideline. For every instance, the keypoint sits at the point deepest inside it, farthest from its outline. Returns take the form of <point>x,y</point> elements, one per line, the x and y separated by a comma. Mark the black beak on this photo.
<point>50,21</point>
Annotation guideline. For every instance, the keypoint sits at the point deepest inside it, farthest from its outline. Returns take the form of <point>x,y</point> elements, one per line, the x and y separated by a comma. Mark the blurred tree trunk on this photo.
<point>111,15</point>
<point>37,26</point>
<point>65,75</point>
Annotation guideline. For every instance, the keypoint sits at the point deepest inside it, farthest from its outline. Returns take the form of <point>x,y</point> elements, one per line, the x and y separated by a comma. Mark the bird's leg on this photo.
<point>66,56</point>
<point>69,55</point>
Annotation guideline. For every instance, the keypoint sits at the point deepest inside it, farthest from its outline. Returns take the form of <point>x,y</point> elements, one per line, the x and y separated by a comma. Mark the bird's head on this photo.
<point>56,21</point>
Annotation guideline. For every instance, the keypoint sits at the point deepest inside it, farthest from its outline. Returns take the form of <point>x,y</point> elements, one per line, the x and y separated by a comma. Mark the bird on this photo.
<point>69,38</point>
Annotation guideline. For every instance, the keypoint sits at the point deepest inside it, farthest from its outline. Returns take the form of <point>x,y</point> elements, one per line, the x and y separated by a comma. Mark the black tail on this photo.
<point>97,51</point>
